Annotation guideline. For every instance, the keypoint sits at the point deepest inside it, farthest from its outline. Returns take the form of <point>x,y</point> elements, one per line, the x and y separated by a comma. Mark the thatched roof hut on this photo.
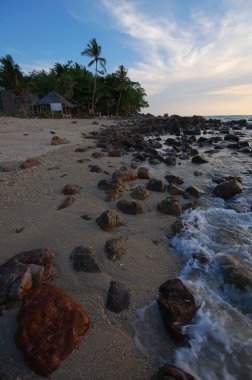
<point>55,103</point>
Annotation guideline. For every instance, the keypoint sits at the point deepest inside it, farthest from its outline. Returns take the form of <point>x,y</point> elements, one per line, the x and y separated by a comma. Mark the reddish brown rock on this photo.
<point>95,169</point>
<point>143,173</point>
<point>170,206</point>
<point>71,189</point>
<point>174,190</point>
<point>140,193</point>
<point>23,271</point>
<point>109,220</point>
<point>30,163</point>
<point>170,372</point>
<point>50,326</point>
<point>177,307</point>
<point>124,174</point>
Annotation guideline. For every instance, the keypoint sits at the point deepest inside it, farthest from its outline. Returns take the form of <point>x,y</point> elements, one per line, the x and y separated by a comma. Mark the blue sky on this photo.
<point>191,56</point>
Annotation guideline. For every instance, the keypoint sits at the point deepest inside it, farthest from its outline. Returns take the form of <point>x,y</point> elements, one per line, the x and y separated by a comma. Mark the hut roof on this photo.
<point>55,97</point>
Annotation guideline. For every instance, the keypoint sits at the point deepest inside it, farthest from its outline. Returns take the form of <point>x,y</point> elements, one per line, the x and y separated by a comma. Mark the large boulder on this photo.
<point>109,220</point>
<point>50,325</point>
<point>228,189</point>
<point>131,208</point>
<point>170,206</point>
<point>177,307</point>
<point>23,271</point>
<point>170,372</point>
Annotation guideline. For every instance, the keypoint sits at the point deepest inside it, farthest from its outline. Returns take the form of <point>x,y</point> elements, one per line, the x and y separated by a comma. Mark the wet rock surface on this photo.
<point>177,307</point>
<point>228,189</point>
<point>235,272</point>
<point>50,325</point>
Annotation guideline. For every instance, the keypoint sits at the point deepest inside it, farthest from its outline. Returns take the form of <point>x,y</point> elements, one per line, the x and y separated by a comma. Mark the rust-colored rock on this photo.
<point>170,372</point>
<point>50,326</point>
<point>30,163</point>
<point>23,271</point>
<point>124,174</point>
<point>71,189</point>
<point>174,190</point>
<point>177,307</point>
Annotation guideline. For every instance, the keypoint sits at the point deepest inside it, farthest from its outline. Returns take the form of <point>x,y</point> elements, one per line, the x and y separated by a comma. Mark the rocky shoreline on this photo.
<point>105,217</point>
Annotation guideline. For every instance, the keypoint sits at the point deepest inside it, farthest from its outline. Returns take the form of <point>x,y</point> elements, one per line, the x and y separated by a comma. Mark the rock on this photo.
<point>95,169</point>
<point>140,193</point>
<point>67,202</point>
<point>156,185</point>
<point>131,208</point>
<point>199,159</point>
<point>154,161</point>
<point>86,217</point>
<point>56,140</point>
<point>30,163</point>
<point>109,220</point>
<point>235,272</point>
<point>174,190</point>
<point>23,271</point>
<point>177,307</point>
<point>97,155</point>
<point>170,161</point>
<point>124,174</point>
<point>201,258</point>
<point>84,260</point>
<point>228,189</point>
<point>6,169</point>
<point>118,297</point>
<point>170,206</point>
<point>115,248</point>
<point>50,325</point>
<point>195,191</point>
<point>174,179</point>
<point>170,372</point>
<point>143,173</point>
<point>71,189</point>
<point>178,227</point>
<point>231,137</point>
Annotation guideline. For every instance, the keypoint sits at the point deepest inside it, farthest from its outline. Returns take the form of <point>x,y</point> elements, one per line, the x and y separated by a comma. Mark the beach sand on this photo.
<point>29,200</point>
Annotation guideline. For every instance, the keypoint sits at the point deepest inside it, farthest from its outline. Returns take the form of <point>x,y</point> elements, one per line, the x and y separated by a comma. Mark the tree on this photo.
<point>11,77</point>
<point>93,50</point>
<point>121,75</point>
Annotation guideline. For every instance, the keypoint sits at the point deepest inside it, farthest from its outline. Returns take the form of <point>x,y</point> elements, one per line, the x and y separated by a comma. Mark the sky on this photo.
<point>190,56</point>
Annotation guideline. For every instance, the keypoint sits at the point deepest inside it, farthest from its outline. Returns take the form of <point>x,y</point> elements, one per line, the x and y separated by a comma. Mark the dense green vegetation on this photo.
<point>108,94</point>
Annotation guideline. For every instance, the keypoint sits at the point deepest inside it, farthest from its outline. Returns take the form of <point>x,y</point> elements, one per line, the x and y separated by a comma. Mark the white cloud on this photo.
<point>210,55</point>
<point>38,65</point>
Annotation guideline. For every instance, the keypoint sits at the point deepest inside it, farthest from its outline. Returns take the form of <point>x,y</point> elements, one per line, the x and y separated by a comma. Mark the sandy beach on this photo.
<point>29,200</point>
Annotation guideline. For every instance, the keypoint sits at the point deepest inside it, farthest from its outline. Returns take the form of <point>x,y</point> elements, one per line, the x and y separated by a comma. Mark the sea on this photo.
<point>221,332</point>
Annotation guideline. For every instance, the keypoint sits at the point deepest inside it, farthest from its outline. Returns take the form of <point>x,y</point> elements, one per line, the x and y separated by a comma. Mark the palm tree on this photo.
<point>93,50</point>
<point>11,77</point>
<point>121,75</point>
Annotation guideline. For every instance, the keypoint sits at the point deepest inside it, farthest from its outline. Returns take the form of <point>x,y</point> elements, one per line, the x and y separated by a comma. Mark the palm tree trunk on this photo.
<point>118,104</point>
<point>94,91</point>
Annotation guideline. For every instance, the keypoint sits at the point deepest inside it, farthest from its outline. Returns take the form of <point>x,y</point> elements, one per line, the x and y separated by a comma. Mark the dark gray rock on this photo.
<point>118,297</point>
<point>84,260</point>
<point>115,248</point>
<point>228,189</point>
